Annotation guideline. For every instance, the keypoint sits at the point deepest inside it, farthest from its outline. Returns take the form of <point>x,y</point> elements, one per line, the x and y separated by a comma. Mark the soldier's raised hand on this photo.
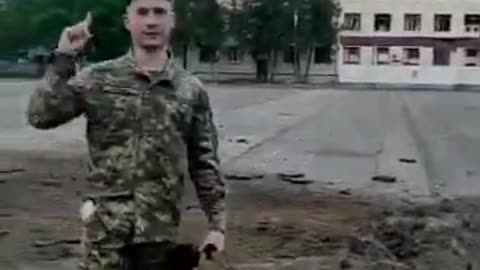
<point>75,37</point>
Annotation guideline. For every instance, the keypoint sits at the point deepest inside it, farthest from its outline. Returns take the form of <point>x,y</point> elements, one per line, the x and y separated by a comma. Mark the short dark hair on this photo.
<point>130,1</point>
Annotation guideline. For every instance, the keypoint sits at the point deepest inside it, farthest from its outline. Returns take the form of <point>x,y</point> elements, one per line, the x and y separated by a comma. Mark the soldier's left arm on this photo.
<point>204,163</point>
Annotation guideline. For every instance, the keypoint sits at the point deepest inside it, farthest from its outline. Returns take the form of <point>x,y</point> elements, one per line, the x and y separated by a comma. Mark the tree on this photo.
<point>263,28</point>
<point>210,33</point>
<point>271,26</point>
<point>29,24</point>
<point>264,33</point>
<point>110,38</point>
<point>185,25</point>
<point>316,26</point>
<point>15,31</point>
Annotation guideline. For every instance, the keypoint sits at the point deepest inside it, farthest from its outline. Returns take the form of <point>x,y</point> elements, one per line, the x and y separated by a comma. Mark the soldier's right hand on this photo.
<point>74,38</point>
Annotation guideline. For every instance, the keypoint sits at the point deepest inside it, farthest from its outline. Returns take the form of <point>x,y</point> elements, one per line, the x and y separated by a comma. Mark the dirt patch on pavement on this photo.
<point>40,195</point>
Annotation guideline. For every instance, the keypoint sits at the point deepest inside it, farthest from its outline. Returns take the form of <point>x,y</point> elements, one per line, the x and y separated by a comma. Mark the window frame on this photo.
<point>346,50</point>
<point>415,16</point>
<point>376,22</point>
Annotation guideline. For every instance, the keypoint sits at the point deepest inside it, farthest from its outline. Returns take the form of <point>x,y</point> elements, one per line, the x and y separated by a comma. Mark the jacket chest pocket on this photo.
<point>167,111</point>
<point>114,108</point>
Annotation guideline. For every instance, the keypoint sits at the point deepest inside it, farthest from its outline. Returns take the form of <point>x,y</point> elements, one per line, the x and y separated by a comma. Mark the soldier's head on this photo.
<point>150,22</point>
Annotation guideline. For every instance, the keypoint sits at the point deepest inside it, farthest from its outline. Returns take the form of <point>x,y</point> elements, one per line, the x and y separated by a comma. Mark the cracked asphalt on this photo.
<point>334,136</point>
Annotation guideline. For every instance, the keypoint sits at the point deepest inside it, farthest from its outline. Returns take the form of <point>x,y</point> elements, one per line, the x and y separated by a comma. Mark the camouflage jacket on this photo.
<point>144,132</point>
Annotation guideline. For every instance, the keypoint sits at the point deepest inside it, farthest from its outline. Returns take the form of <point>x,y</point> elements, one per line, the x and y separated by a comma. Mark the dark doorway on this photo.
<point>262,69</point>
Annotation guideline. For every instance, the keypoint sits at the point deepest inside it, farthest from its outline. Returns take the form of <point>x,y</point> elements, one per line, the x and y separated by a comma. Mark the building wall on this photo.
<point>461,69</point>
<point>457,41</point>
<point>428,8</point>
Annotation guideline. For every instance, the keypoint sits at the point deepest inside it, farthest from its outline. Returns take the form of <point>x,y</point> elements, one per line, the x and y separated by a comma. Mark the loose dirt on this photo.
<point>270,226</point>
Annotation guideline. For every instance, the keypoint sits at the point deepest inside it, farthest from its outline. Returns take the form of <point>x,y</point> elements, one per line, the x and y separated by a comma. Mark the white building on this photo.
<point>425,42</point>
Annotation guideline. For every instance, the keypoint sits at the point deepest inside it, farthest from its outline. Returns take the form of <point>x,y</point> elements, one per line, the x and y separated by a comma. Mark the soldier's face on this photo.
<point>150,23</point>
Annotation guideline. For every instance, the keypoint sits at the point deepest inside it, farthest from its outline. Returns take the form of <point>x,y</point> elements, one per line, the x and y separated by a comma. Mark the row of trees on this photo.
<point>263,28</point>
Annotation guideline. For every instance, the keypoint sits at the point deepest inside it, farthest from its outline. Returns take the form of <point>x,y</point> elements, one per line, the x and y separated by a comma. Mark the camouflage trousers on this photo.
<point>107,234</point>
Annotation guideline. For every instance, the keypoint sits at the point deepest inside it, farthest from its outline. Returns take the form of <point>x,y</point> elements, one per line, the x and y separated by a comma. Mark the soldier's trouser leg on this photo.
<point>107,227</point>
<point>161,256</point>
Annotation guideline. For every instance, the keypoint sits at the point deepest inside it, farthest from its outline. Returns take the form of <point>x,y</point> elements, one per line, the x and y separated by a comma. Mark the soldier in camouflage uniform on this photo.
<point>149,122</point>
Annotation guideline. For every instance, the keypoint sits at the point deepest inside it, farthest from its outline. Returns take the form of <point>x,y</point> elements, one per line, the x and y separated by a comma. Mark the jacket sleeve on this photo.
<point>58,97</point>
<point>204,164</point>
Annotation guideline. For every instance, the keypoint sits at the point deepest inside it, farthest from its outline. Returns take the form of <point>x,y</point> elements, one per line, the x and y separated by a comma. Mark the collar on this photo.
<point>166,74</point>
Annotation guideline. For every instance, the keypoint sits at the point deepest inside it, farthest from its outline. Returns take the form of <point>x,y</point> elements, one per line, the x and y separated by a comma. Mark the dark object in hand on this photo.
<point>209,250</point>
<point>158,256</point>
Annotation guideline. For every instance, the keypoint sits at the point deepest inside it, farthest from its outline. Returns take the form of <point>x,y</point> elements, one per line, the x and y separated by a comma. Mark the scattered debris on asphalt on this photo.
<point>3,181</point>
<point>457,248</point>
<point>11,171</point>
<point>408,160</point>
<point>345,192</point>
<point>242,140</point>
<point>298,181</point>
<point>345,263</point>
<point>263,226</point>
<point>51,183</point>
<point>243,176</point>
<point>4,215</point>
<point>384,179</point>
<point>48,243</point>
<point>293,177</point>
<point>4,233</point>
<point>291,174</point>
<point>326,239</point>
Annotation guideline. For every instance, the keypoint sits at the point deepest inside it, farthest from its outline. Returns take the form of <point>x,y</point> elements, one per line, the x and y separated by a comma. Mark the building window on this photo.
<point>383,22</point>
<point>471,57</point>
<point>351,55</point>
<point>352,21</point>
<point>235,55</point>
<point>411,56</point>
<point>323,55</point>
<point>441,56</point>
<point>443,22</point>
<point>471,53</point>
<point>383,56</point>
<point>208,55</point>
<point>472,23</point>
<point>413,22</point>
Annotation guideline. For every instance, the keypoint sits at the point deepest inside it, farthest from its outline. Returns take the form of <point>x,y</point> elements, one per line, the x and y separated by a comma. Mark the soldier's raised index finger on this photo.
<point>88,19</point>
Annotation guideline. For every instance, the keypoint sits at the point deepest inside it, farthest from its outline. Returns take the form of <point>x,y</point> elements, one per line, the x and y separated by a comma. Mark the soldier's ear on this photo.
<point>126,21</point>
